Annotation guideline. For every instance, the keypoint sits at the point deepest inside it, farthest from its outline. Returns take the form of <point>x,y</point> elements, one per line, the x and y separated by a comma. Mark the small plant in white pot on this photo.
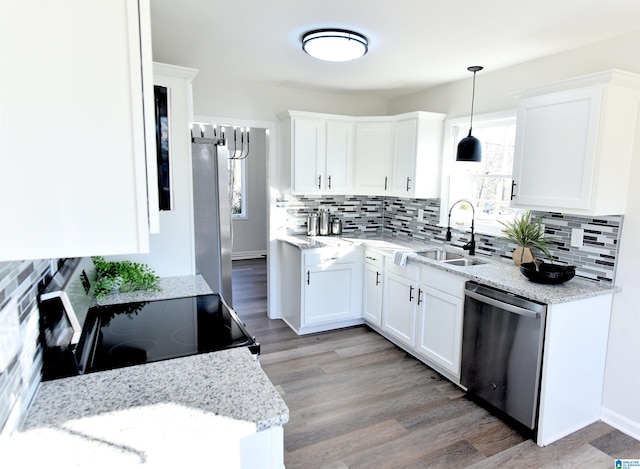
<point>527,234</point>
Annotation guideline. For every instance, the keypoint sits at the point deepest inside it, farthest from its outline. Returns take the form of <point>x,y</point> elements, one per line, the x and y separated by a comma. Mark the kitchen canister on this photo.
<point>336,226</point>
<point>324,222</point>
<point>312,224</point>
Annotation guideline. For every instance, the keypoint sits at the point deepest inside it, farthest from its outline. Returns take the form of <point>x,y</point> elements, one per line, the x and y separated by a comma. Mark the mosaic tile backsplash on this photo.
<point>19,280</point>
<point>397,217</point>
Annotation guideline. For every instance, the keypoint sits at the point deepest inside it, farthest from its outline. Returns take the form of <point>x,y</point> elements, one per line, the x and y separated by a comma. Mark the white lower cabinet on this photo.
<point>439,329</point>
<point>400,303</point>
<point>373,287</point>
<point>321,288</point>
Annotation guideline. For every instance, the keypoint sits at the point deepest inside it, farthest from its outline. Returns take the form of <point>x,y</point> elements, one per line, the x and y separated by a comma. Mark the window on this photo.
<point>487,185</point>
<point>237,188</point>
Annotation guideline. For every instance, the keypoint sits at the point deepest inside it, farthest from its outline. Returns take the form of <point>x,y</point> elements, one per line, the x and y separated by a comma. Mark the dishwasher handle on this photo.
<point>502,305</point>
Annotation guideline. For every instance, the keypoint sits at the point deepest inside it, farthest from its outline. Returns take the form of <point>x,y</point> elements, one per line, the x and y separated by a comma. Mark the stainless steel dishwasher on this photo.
<point>502,344</point>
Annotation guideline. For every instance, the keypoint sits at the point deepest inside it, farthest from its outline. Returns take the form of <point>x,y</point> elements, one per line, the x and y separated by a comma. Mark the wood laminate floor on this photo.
<point>358,401</point>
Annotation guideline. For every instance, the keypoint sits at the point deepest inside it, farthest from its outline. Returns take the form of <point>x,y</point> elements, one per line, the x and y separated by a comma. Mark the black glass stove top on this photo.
<point>135,333</point>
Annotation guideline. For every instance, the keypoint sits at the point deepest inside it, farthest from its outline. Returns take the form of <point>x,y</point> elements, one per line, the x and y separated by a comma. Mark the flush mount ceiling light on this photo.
<point>470,148</point>
<point>334,45</point>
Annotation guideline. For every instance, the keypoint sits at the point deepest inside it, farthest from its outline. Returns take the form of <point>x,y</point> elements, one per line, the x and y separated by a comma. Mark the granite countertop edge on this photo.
<point>498,273</point>
<point>228,383</point>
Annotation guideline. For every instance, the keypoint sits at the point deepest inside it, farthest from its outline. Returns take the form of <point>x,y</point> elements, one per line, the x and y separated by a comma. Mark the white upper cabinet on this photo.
<point>77,129</point>
<point>318,153</point>
<point>373,151</point>
<point>417,155</point>
<point>574,144</point>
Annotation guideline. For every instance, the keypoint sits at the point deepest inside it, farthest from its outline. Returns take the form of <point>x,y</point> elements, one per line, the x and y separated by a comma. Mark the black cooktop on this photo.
<point>128,334</point>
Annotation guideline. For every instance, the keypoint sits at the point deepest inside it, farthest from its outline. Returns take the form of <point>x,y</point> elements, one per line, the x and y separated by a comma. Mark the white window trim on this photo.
<point>245,191</point>
<point>448,158</point>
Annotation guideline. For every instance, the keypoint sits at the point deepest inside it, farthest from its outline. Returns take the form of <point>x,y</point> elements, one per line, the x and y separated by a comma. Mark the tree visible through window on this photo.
<point>487,184</point>
<point>237,188</point>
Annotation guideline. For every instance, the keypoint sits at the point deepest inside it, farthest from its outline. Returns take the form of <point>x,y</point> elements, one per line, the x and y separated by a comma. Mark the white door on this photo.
<point>404,157</point>
<point>554,157</point>
<point>329,295</point>
<point>440,328</point>
<point>373,157</point>
<point>372,298</point>
<point>400,303</point>
<point>308,155</point>
<point>339,157</point>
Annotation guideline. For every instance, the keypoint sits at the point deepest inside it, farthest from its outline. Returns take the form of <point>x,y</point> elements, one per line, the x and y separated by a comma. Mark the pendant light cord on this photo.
<point>473,98</point>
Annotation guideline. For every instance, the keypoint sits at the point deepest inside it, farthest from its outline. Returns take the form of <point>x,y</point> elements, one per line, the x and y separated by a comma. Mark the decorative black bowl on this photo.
<point>547,273</point>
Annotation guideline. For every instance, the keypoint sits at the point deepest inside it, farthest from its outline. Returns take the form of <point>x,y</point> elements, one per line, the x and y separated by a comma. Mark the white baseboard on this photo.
<point>235,256</point>
<point>620,422</point>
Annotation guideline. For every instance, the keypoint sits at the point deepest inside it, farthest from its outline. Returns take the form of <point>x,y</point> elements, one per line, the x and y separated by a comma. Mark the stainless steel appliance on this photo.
<point>324,221</point>
<point>78,337</point>
<point>212,209</point>
<point>312,224</point>
<point>502,347</point>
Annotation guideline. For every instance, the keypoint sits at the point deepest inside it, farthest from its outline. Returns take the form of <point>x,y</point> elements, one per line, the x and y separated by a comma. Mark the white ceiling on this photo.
<point>414,44</point>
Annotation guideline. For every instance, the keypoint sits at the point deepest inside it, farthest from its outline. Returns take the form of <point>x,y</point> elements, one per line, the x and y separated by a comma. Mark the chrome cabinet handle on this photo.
<point>408,181</point>
<point>329,182</point>
<point>320,182</point>
<point>410,293</point>
<point>419,296</point>
<point>308,277</point>
<point>513,189</point>
<point>377,278</point>
<point>385,183</point>
<point>372,258</point>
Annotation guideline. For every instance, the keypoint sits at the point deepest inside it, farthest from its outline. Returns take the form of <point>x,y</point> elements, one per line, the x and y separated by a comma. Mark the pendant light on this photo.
<point>334,45</point>
<point>470,148</point>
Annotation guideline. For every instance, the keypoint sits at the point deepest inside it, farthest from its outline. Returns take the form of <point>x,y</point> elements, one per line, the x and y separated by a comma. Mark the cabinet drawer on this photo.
<point>374,258</point>
<point>333,255</point>
<point>410,272</point>
<point>444,281</point>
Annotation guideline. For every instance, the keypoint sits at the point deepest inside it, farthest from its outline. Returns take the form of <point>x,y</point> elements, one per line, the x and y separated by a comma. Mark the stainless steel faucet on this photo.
<point>471,245</point>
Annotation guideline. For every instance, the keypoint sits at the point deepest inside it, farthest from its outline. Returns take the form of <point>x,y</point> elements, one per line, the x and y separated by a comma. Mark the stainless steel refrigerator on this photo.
<point>212,210</point>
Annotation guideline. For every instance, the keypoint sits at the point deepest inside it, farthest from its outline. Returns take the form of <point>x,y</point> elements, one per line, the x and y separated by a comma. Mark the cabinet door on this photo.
<point>72,130</point>
<point>339,157</point>
<point>405,134</point>
<point>400,303</point>
<point>373,156</point>
<point>440,328</point>
<point>332,293</point>
<point>308,155</point>
<point>372,297</point>
<point>555,149</point>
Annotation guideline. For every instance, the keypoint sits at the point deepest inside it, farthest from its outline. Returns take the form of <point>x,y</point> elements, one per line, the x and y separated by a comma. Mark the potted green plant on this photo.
<point>526,234</point>
<point>125,276</point>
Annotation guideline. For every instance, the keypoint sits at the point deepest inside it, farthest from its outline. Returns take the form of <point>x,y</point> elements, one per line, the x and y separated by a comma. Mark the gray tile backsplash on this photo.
<point>19,381</point>
<point>397,217</point>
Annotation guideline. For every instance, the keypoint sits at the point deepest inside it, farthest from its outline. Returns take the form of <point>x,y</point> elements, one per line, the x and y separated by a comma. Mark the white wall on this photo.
<point>171,251</point>
<point>621,401</point>
<point>213,96</point>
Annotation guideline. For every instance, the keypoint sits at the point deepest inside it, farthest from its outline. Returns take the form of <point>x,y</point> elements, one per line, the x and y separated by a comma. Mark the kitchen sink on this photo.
<point>464,261</point>
<point>448,257</point>
<point>440,255</point>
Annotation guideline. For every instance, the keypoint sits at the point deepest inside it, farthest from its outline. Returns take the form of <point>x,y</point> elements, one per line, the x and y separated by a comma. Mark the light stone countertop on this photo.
<point>224,393</point>
<point>495,272</point>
